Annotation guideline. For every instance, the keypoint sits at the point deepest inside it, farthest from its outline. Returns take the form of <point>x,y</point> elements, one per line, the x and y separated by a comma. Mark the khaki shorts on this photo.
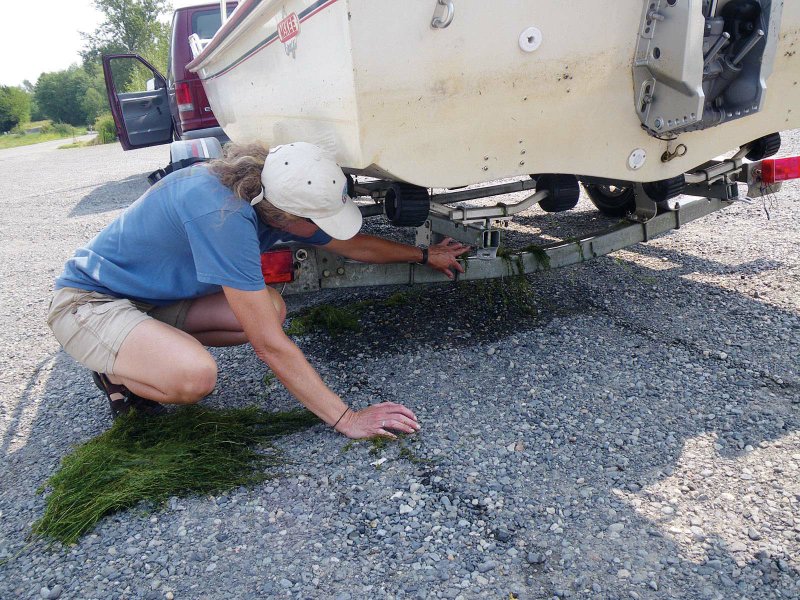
<point>91,326</point>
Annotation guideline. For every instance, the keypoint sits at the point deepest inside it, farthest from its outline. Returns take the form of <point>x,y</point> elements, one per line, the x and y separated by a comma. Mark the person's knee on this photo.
<point>195,382</point>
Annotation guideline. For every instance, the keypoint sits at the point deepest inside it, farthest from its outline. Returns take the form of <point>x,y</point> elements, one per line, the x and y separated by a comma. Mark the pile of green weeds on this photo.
<point>194,450</point>
<point>333,319</point>
<point>336,320</point>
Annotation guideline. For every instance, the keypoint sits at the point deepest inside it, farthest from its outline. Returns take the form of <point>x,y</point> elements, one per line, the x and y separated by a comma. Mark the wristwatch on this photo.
<point>424,260</point>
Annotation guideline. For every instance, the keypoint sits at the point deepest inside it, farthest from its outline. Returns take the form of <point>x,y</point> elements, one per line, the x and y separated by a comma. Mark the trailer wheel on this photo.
<point>407,205</point>
<point>611,200</point>
<point>564,192</point>
<point>764,147</point>
<point>666,189</point>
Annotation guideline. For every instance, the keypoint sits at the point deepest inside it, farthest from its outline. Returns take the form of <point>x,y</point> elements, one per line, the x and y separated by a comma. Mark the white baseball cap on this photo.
<point>302,180</point>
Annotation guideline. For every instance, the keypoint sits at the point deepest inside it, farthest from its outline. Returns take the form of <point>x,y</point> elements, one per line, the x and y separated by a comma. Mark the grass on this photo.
<point>194,450</point>
<point>510,293</point>
<point>14,140</point>
<point>539,253</point>
<point>513,292</point>
<point>95,141</point>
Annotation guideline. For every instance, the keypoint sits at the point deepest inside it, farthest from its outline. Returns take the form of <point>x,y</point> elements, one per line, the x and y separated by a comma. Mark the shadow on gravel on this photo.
<point>47,423</point>
<point>668,361</point>
<point>615,393</point>
<point>464,314</point>
<point>111,196</point>
<point>24,404</point>
<point>683,264</point>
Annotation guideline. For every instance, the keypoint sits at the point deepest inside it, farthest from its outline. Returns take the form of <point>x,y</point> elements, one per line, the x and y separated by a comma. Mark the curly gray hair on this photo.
<point>240,170</point>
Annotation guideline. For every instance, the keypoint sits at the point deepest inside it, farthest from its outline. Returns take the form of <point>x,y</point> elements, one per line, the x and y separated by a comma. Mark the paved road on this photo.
<point>38,149</point>
<point>637,439</point>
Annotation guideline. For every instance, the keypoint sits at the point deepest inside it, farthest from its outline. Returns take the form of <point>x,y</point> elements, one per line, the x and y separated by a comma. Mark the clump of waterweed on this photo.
<point>194,450</point>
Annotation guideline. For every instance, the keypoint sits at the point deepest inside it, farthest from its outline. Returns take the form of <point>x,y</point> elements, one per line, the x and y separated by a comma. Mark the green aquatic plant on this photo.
<point>540,254</point>
<point>324,317</point>
<point>339,319</point>
<point>194,450</point>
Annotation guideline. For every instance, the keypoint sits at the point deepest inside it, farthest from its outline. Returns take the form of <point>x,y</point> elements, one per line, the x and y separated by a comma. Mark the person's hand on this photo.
<point>442,256</point>
<point>378,420</point>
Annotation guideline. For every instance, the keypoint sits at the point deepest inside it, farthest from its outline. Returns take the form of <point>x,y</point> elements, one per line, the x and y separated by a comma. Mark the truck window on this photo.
<point>129,75</point>
<point>205,23</point>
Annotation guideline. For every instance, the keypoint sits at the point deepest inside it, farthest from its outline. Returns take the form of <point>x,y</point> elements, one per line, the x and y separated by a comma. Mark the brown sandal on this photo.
<point>121,400</point>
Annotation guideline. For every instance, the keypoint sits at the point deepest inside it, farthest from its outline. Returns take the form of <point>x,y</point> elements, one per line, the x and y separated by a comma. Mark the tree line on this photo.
<point>77,95</point>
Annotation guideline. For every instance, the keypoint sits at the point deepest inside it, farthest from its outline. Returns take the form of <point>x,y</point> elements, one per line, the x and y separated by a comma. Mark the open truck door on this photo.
<point>138,96</point>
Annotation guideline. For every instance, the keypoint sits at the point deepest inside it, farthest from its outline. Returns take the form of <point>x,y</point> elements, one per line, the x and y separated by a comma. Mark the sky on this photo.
<point>43,36</point>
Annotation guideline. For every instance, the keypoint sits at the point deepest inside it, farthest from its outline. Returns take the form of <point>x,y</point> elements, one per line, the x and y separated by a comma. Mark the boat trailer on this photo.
<point>708,189</point>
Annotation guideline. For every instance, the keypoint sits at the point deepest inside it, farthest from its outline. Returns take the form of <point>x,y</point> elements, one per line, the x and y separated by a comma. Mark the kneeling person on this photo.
<point>180,269</point>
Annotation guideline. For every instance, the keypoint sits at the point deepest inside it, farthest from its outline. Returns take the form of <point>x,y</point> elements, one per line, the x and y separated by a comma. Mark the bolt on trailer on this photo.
<point>632,100</point>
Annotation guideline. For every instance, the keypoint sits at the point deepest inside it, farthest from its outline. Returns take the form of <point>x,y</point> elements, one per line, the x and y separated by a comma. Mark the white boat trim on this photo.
<point>225,36</point>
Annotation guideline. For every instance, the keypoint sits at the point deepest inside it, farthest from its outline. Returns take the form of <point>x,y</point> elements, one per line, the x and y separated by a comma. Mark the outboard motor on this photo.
<point>685,85</point>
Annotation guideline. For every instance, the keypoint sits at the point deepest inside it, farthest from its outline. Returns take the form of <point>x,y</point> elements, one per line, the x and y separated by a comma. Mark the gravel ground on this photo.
<point>638,438</point>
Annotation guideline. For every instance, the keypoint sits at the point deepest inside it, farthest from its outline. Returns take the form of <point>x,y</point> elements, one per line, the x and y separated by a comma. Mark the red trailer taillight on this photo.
<point>183,95</point>
<point>277,266</point>
<point>780,169</point>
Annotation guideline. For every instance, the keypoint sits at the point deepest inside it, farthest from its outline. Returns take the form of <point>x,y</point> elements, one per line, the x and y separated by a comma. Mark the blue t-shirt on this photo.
<point>187,236</point>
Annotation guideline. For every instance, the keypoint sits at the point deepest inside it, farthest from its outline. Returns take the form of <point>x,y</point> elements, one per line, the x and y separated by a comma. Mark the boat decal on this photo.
<point>288,31</point>
<point>304,15</point>
<point>289,28</point>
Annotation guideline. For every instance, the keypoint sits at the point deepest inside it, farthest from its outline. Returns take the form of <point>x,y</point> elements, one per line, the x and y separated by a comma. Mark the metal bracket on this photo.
<point>477,214</point>
<point>646,207</point>
<point>306,273</point>
<point>721,190</point>
<point>668,67</point>
<point>445,20</point>
<point>483,238</point>
<point>756,188</point>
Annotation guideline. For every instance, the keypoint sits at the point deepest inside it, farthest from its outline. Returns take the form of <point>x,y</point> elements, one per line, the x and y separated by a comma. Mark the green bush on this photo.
<point>18,130</point>
<point>61,96</point>
<point>106,129</point>
<point>15,107</point>
<point>46,128</point>
<point>64,129</point>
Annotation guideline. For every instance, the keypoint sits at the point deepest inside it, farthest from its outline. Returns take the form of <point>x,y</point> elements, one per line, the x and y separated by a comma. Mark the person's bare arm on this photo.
<point>262,326</point>
<point>371,249</point>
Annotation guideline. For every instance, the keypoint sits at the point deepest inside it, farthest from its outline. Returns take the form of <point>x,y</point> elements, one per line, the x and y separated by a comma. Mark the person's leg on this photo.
<point>211,321</point>
<point>112,336</point>
<point>164,364</point>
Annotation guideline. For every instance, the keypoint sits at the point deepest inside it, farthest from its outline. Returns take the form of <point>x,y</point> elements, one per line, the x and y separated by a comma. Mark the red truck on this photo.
<point>191,115</point>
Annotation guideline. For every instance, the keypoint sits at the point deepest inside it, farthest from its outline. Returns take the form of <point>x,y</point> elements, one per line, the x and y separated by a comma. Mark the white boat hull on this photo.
<point>394,97</point>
